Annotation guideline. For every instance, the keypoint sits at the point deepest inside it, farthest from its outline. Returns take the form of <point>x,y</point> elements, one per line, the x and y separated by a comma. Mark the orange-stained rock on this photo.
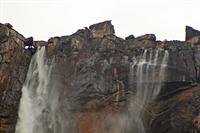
<point>185,94</point>
<point>93,121</point>
<point>177,114</point>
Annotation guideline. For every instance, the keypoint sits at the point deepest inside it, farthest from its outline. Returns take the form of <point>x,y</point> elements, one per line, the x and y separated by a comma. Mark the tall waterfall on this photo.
<point>34,95</point>
<point>44,107</point>
<point>149,71</point>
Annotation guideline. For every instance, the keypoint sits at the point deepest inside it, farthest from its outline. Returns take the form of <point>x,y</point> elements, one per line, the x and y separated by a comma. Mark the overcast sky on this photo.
<point>43,19</point>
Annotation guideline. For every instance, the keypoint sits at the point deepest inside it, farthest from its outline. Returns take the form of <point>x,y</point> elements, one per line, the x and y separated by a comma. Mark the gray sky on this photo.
<point>43,19</point>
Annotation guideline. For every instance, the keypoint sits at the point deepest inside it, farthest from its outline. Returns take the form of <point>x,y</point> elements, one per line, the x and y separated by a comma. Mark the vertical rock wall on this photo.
<point>14,62</point>
<point>92,68</point>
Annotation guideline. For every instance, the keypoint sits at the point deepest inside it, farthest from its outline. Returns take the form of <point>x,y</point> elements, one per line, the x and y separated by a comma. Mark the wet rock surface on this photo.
<point>93,65</point>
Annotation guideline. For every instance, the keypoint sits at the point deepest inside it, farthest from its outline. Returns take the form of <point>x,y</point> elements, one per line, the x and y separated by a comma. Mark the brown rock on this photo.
<point>92,68</point>
<point>4,33</point>
<point>92,121</point>
<point>13,68</point>
<point>150,37</point>
<point>194,40</point>
<point>196,123</point>
<point>190,33</point>
<point>102,29</point>
<point>40,43</point>
<point>8,25</point>
<point>177,114</point>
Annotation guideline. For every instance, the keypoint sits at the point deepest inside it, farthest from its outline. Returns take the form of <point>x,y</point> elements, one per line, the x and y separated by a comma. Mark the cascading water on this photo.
<point>146,77</point>
<point>150,73</point>
<point>43,107</point>
<point>34,94</point>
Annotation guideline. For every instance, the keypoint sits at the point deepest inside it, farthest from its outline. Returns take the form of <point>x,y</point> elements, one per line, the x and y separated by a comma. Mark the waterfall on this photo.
<point>34,94</point>
<point>44,107</point>
<point>150,73</point>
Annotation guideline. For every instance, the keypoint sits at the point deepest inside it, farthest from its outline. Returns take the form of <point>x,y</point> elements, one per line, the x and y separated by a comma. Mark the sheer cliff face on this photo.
<point>14,62</point>
<point>96,70</point>
<point>91,71</point>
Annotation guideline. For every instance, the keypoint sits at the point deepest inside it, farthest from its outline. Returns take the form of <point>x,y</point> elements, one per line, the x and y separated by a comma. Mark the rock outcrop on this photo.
<point>102,29</point>
<point>92,67</point>
<point>192,35</point>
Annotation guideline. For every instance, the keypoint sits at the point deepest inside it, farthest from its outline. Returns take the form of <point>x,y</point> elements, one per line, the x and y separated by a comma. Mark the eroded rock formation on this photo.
<point>92,72</point>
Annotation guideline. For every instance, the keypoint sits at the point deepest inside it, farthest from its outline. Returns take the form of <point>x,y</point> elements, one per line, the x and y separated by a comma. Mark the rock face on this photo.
<point>150,37</point>
<point>99,67</point>
<point>191,32</point>
<point>192,35</point>
<point>177,113</point>
<point>14,61</point>
<point>102,29</point>
<point>92,72</point>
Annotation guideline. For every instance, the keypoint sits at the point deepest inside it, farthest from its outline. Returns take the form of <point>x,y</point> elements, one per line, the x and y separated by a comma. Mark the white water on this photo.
<point>149,76</point>
<point>44,108</point>
<point>34,94</point>
<point>41,110</point>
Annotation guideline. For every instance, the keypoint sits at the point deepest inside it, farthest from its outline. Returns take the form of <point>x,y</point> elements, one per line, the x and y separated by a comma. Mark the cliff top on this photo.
<point>98,30</point>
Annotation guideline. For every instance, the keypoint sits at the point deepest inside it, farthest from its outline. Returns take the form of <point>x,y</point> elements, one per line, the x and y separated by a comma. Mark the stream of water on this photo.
<point>41,110</point>
<point>150,73</point>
